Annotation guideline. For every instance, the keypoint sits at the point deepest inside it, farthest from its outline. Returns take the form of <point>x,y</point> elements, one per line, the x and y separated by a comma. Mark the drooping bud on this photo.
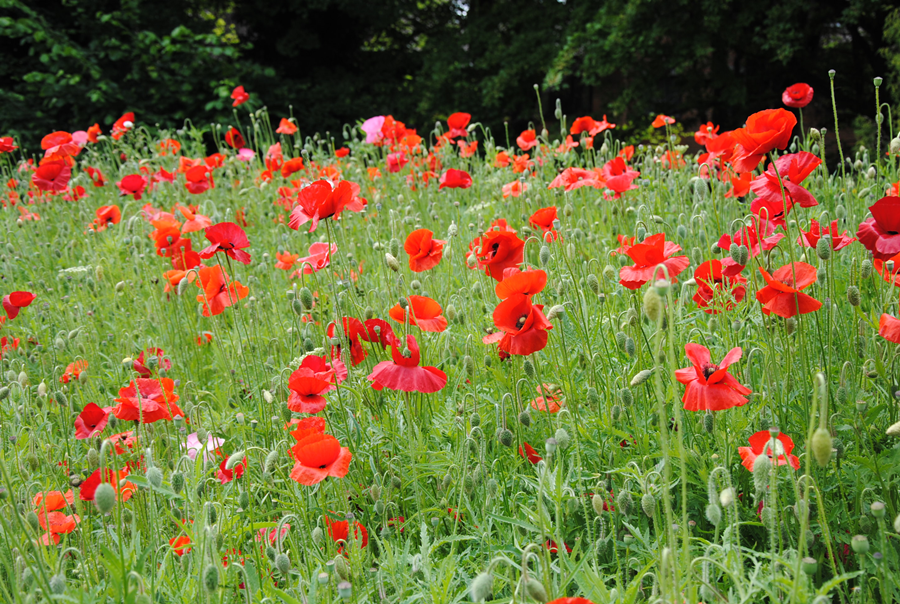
<point>641,377</point>
<point>105,498</point>
<point>283,563</point>
<point>853,295</point>
<point>653,304</point>
<point>714,514</point>
<point>562,438</point>
<point>821,446</point>
<point>482,587</point>
<point>544,255</point>
<point>865,269</point>
<point>505,436</point>
<point>392,262</point>
<point>211,578</point>
<point>624,501</point>
<point>648,504</point>
<point>533,589</point>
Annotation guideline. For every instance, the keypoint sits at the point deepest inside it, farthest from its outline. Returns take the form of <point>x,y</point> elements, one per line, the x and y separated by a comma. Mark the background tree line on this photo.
<point>70,63</point>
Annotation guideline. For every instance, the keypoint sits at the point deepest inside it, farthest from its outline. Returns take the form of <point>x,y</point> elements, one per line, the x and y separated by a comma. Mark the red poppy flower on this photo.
<point>285,126</point>
<point>89,486</point>
<point>93,132</point>
<point>219,291</point>
<point>56,524</point>
<point>96,176</point>
<point>892,274</point>
<point>811,237</point>
<point>423,250</point>
<point>571,600</point>
<point>7,144</point>
<point>710,387</point>
<point>648,256</point>
<point>73,371</point>
<point>889,328</point>
<point>782,296</point>
<point>342,152</point>
<point>353,329</point>
<point>198,179</point>
<point>91,421</point>
<point>706,133</point>
<point>455,179</point>
<point>457,123</point>
<point>778,451</point>
<point>403,372</point>
<point>551,547</point>
<point>15,301</point>
<point>424,313</point>
<point>765,131</point>
<point>527,140</point>
<point>880,233</point>
<point>529,453</point>
<point>793,169</point>
<point>379,331</point>
<point>234,139</point>
<point>192,221</point>
<point>717,291</point>
<point>319,257</point>
<point>319,456</point>
<point>239,96</point>
<point>7,344</point>
<point>122,125</point>
<point>148,401</point>
<point>797,96</point>
<point>205,337</point>
<point>522,324</point>
<point>583,124</point>
<point>662,120</point>
<point>759,236</point>
<point>133,184</point>
<point>527,283</point>
<point>285,260</point>
<point>339,530</point>
<point>229,238</point>
<point>497,250</point>
<point>106,215</point>
<point>59,145</point>
<point>550,401</point>
<point>139,364</point>
<point>180,545</point>
<point>319,201</point>
<point>575,178</point>
<point>306,386</point>
<point>52,501</point>
<point>225,475</point>
<point>543,219</point>
<point>52,176</point>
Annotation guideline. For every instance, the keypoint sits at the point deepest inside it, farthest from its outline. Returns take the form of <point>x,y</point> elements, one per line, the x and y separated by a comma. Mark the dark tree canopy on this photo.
<point>70,63</point>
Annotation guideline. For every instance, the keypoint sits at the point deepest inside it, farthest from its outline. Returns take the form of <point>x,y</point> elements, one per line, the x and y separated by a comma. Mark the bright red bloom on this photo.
<point>141,368</point>
<point>571,600</point>
<point>229,238</point>
<point>797,96</point>
<point>219,291</point>
<point>91,421</point>
<point>793,170</point>
<point>7,144</point>
<point>889,328</point>
<point>880,233</point>
<point>239,96</point>
<point>455,179</point>
<point>497,250</point>
<point>529,453</point>
<point>234,139</point>
<point>133,184</point>
<point>403,373</point>
<point>180,545</point>
<point>574,178</point>
<point>56,524</point>
<point>285,126</point>
<point>526,283</point>
<point>425,313</point>
<point>342,152</point>
<point>379,331</point>
<point>52,176</point>
<point>148,401</point>
<point>89,486</point>
<point>318,456</point>
<point>52,501</point>
<point>319,201</point>
<point>353,329</point>
<point>59,145</point>
<point>14,302</point>
<point>782,296</point>
<point>750,237</point>
<point>648,256</point>
<point>307,384</point>
<point>662,120</point>
<point>527,140</point>
<point>96,176</point>
<point>225,475</point>
<point>710,387</point>
<point>717,291</point>
<point>423,250</point>
<point>122,125</point>
<point>811,237</point>
<point>706,133</point>
<point>198,179</point>
<point>761,444</point>
<point>93,132</point>
<point>339,530</point>
<point>585,124</point>
<point>543,219</point>
<point>106,215</point>
<point>457,123</point>
<point>522,324</point>
<point>765,131</point>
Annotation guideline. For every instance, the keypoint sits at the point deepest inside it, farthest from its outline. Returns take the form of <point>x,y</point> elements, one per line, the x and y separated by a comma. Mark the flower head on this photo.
<point>710,387</point>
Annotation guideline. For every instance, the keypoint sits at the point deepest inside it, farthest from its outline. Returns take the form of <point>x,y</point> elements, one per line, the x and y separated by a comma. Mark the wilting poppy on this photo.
<point>52,176</point>
<point>782,295</point>
<point>133,184</point>
<point>765,131</point>
<point>319,456</point>
<point>529,453</point>
<point>880,233</point>
<point>403,372</point>
<point>710,387</point>
<point>778,451</point>
<point>522,324</point>
<point>192,221</point>
<point>424,313</point>
<point>285,126</point>
<point>15,301</point>
<point>550,399</point>
<point>797,96</point>
<point>73,371</point>
<point>229,238</point>
<point>239,96</point>
<point>455,179</point>
<point>497,250</point>
<point>648,256</point>
<point>423,250</point>
<point>148,401</point>
<point>339,530</point>
<point>717,291</point>
<point>811,237</point>
<point>219,291</point>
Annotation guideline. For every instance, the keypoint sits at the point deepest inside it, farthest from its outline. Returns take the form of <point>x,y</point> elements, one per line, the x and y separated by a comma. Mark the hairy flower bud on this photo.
<point>482,587</point>
<point>653,304</point>
<point>211,577</point>
<point>821,446</point>
<point>641,377</point>
<point>853,295</point>
<point>648,504</point>
<point>105,498</point>
<point>714,514</point>
<point>505,436</point>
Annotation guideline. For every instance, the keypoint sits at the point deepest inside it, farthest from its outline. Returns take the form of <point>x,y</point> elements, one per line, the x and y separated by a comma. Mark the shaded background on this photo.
<point>69,63</point>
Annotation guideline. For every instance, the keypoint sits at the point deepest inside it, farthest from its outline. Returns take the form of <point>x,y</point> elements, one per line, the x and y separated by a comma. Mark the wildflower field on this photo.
<point>384,365</point>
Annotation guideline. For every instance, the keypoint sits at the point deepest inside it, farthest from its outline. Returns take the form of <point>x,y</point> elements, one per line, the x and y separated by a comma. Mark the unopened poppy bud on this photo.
<point>211,578</point>
<point>853,295</point>
<point>809,565</point>
<point>306,298</point>
<point>481,587</point>
<point>761,467</point>
<point>708,422</point>
<point>865,269</point>
<point>61,398</point>
<point>895,145</point>
<point>555,311</point>
<point>32,520</point>
<point>823,248</point>
<point>341,568</point>
<point>58,584</point>
<point>525,418</point>
<point>283,563</point>
<point>105,498</point>
<point>154,477</point>
<point>626,397</point>
<point>505,436</point>
<point>743,255</point>
<point>648,504</point>
<point>177,482</point>
<point>544,255</point>
<point>821,446</point>
<point>653,304</point>
<point>394,247</point>
<point>860,544</point>
<point>593,283</point>
<point>593,397</point>
<point>534,589</point>
<point>641,377</point>
<point>877,509</point>
<point>120,286</point>
<point>735,253</point>
<point>93,459</point>
<point>609,273</point>
<point>392,262</point>
<point>620,340</point>
<point>790,324</point>
<point>22,378</point>
<point>562,438</point>
<point>528,368</point>
<point>629,346</point>
<point>726,497</point>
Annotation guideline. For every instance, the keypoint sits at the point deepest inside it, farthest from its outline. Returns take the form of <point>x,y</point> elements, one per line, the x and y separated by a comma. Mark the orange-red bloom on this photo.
<point>148,401</point>
<point>403,372</point>
<point>782,295</point>
<point>73,370</point>
<point>710,387</point>
<point>318,456</point>
<point>497,250</point>
<point>648,256</point>
<point>240,96</point>
<point>765,131</point>
<point>219,291</point>
<point>423,312</point>
<point>778,451</point>
<point>229,238</point>
<point>423,250</point>
<point>286,126</point>
<point>662,120</point>
<point>716,290</point>
<point>522,324</point>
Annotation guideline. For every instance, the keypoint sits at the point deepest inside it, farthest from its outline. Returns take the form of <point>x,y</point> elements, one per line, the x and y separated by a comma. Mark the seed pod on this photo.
<point>860,544</point>
<point>877,509</point>
<point>648,504</point>
<point>821,446</point>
